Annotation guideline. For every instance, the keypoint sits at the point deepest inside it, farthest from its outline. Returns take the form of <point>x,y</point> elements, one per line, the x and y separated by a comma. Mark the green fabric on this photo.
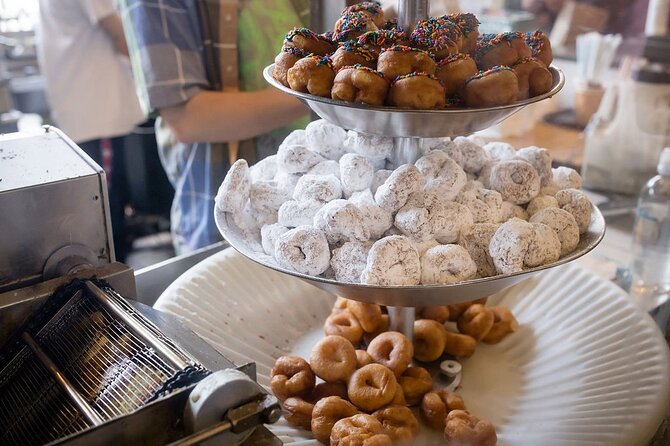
<point>262,27</point>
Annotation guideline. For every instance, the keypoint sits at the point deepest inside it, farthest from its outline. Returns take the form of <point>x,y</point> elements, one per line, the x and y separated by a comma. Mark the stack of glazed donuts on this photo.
<point>443,63</point>
<point>326,206</point>
<point>369,383</point>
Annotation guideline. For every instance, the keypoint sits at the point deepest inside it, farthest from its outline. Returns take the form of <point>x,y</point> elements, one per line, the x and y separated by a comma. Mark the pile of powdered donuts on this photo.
<point>368,382</point>
<point>326,205</point>
<point>443,63</point>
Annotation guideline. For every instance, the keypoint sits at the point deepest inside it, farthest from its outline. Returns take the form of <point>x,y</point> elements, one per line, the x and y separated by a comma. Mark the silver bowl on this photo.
<point>409,296</point>
<point>405,123</point>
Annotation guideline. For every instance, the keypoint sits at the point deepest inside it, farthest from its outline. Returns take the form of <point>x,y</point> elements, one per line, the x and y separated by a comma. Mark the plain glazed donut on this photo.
<point>492,88</point>
<point>392,261</point>
<point>308,41</point>
<point>439,313</point>
<point>417,90</point>
<point>368,315</point>
<point>516,180</point>
<point>476,321</point>
<point>333,359</point>
<point>446,264</point>
<point>540,46</point>
<point>359,430</point>
<point>371,387</point>
<point>363,358</point>
<point>455,310</point>
<point>463,428</point>
<point>313,75</point>
<point>437,404</point>
<point>298,412</point>
<point>350,53</point>
<point>394,193</point>
<point>324,390</point>
<point>344,324</point>
<point>303,249</point>
<point>360,84</point>
<point>460,345</point>
<point>454,70</point>
<point>504,323</point>
<point>534,78</point>
<point>393,350</point>
<point>291,376</point>
<point>399,423</point>
<point>326,413</point>
<point>430,338</point>
<point>415,383</point>
<point>286,58</point>
<point>400,60</point>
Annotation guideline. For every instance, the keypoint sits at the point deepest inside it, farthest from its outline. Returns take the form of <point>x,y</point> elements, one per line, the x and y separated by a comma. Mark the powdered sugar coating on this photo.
<point>356,173</point>
<point>296,137</point>
<point>327,167</point>
<point>392,261</point>
<point>394,193</point>
<point>349,260</point>
<point>287,181</point>
<point>500,151</point>
<point>264,170</point>
<point>540,160</point>
<point>341,220</point>
<point>296,159</point>
<point>516,180</point>
<point>541,202</point>
<point>484,204</point>
<point>266,197</point>
<point>451,221</point>
<point>303,249</point>
<point>298,213</point>
<point>424,246</point>
<point>545,247</point>
<point>472,156</point>
<point>269,236</point>
<point>563,223</point>
<point>476,240</point>
<point>442,174</point>
<point>510,244</point>
<point>234,190</point>
<point>375,147</point>
<point>511,210</point>
<point>578,204</point>
<point>323,188</point>
<point>415,218</point>
<point>379,178</point>
<point>326,139</point>
<point>444,264</point>
<point>377,219</point>
<point>566,178</point>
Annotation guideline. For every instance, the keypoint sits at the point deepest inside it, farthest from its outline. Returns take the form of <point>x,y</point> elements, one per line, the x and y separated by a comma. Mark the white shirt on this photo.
<point>89,86</point>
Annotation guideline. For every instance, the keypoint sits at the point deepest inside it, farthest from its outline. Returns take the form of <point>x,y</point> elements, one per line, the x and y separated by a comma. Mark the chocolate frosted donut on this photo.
<point>469,26</point>
<point>540,46</point>
<point>534,77</point>
<point>350,53</point>
<point>308,41</point>
<point>351,25</point>
<point>494,87</point>
<point>284,61</point>
<point>376,41</point>
<point>400,60</point>
<point>501,49</point>
<point>421,91</point>
<point>454,70</point>
<point>439,35</point>
<point>372,9</point>
<point>360,84</point>
<point>313,75</point>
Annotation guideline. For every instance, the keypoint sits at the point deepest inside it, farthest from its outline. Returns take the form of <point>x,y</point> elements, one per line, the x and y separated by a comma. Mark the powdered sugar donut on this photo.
<point>356,173</point>
<point>264,170</point>
<point>473,184</point>
<point>295,213</point>
<point>424,246</point>
<point>392,261</point>
<point>341,220</point>
<point>476,240</point>
<point>545,247</point>
<point>375,147</point>
<point>415,219</point>
<point>451,221</point>
<point>377,219</point>
<point>578,204</point>
<point>500,151</point>
<point>327,167</point>
<point>540,160</point>
<point>379,178</point>
<point>541,202</point>
<point>326,139</point>
<point>393,194</point>
<point>443,175</point>
<point>550,189</point>
<point>269,236</point>
<point>484,176</point>
<point>429,144</point>
<point>446,264</point>
<point>509,245</point>
<point>287,181</point>
<point>318,187</point>
<point>295,138</point>
<point>516,180</point>
<point>266,197</point>
<point>303,249</point>
<point>563,223</point>
<point>471,156</point>
<point>234,190</point>
<point>296,159</point>
<point>511,210</point>
<point>349,260</point>
<point>484,204</point>
<point>566,178</point>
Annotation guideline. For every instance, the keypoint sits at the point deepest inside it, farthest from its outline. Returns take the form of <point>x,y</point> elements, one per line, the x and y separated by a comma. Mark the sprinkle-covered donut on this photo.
<point>286,58</point>
<point>491,88</point>
<point>361,85</point>
<point>351,53</point>
<point>400,60</point>
<point>469,26</point>
<point>501,49</point>
<point>373,9</point>
<point>540,46</point>
<point>376,41</point>
<point>353,24</point>
<point>534,77</point>
<point>313,75</point>
<point>454,70</point>
<point>308,41</point>
<point>421,91</point>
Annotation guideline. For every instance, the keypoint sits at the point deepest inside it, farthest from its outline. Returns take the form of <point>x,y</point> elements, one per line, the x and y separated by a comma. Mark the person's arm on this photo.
<point>113,28</point>
<point>213,116</point>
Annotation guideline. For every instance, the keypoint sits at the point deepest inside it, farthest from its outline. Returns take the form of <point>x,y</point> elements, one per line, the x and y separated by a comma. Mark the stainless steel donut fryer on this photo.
<point>408,127</point>
<point>79,363</point>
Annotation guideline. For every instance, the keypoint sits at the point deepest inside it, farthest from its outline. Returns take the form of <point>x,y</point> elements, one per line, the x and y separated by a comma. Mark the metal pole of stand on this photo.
<point>405,151</point>
<point>401,319</point>
<point>410,12</point>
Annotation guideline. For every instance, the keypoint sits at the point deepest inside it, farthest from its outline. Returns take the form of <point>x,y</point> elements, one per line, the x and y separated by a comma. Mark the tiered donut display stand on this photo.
<point>408,127</point>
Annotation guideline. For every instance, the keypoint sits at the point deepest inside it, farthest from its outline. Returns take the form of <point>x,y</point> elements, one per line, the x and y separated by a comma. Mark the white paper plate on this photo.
<point>585,368</point>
